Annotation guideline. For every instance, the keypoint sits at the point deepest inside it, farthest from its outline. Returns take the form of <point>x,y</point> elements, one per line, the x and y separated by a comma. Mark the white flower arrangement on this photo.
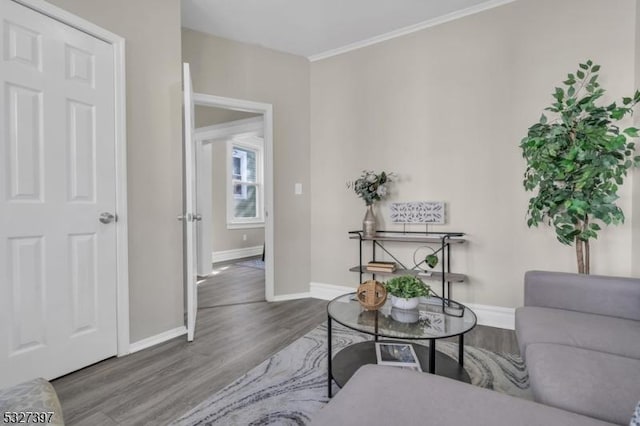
<point>371,186</point>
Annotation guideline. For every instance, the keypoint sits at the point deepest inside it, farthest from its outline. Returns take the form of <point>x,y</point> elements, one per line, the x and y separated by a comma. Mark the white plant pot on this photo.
<point>403,303</point>
<point>408,316</point>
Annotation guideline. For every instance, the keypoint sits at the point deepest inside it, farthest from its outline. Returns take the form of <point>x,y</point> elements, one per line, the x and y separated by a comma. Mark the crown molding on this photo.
<point>410,29</point>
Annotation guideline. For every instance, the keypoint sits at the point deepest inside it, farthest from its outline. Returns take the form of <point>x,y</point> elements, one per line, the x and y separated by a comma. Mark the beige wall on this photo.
<point>226,68</point>
<point>446,108</point>
<point>635,217</point>
<point>154,154</point>
<point>223,238</point>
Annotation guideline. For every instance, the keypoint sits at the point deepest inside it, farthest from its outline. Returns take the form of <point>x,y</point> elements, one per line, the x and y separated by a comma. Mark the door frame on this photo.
<point>267,113</point>
<point>122,246</point>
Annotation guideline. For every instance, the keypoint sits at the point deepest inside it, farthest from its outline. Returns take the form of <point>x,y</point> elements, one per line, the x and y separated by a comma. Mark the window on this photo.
<point>245,187</point>
<point>239,173</point>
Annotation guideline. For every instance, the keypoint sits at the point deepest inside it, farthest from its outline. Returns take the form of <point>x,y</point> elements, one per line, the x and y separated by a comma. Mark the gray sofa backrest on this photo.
<point>603,295</point>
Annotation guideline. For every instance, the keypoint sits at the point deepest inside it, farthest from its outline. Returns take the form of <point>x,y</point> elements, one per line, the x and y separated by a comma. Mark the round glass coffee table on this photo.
<point>436,319</point>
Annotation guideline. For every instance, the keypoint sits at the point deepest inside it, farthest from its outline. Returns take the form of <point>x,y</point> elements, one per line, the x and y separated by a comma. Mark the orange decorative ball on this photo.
<point>371,295</point>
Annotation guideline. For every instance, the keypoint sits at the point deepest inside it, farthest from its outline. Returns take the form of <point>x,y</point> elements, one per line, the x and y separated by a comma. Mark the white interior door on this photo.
<point>204,201</point>
<point>190,217</point>
<point>57,177</point>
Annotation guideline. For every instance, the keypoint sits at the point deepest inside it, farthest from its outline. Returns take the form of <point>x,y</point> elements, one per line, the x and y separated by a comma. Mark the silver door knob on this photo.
<point>197,217</point>
<point>107,217</point>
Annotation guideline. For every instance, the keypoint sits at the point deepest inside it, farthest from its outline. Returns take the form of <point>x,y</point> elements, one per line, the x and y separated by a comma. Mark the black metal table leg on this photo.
<point>461,350</point>
<point>432,356</point>
<point>329,374</point>
<point>375,336</point>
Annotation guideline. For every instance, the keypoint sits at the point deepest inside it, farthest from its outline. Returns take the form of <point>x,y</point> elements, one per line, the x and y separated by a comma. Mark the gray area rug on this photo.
<point>289,387</point>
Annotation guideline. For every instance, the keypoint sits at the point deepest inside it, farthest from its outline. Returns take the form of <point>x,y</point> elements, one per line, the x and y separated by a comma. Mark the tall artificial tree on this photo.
<point>577,158</point>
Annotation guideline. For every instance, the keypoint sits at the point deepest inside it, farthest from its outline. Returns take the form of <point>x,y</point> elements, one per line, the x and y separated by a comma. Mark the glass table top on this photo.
<point>435,319</point>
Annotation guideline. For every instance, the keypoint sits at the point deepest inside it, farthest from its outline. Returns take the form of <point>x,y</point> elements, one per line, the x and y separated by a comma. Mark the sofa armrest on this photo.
<point>36,396</point>
<point>602,295</point>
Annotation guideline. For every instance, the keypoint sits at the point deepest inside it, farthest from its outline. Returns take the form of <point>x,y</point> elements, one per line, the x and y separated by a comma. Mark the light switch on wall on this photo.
<point>298,189</point>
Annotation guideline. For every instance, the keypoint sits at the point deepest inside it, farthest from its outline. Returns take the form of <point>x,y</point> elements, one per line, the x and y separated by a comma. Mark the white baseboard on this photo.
<point>328,291</point>
<point>492,316</point>
<point>223,256</point>
<point>293,296</point>
<point>157,339</point>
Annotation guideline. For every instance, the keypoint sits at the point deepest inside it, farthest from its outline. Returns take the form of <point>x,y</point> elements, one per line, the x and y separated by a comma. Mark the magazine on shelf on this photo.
<point>397,355</point>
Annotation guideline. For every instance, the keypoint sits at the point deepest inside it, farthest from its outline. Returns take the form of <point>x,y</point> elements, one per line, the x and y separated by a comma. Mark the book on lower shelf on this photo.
<point>374,269</point>
<point>397,355</point>
<point>380,266</point>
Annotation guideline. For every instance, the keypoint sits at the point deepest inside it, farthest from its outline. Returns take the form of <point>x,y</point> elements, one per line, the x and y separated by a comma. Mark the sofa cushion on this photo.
<point>595,294</point>
<point>592,383</point>
<point>35,396</point>
<point>378,395</point>
<point>589,331</point>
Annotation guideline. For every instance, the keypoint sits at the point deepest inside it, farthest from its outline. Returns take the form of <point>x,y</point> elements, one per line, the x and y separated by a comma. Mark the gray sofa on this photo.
<point>580,336</point>
<point>383,396</point>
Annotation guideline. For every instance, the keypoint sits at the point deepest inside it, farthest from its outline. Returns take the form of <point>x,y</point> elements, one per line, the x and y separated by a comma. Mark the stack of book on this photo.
<point>379,266</point>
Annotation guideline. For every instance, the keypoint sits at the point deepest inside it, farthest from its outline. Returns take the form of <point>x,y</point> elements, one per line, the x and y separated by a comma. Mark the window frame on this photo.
<point>251,143</point>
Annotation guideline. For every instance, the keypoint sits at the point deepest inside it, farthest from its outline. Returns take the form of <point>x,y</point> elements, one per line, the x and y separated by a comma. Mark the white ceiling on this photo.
<point>313,27</point>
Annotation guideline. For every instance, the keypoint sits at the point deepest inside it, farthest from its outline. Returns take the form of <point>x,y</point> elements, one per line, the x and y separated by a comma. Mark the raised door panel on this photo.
<point>84,283</point>
<point>26,265</point>
<point>23,115</point>
<point>80,65</point>
<point>22,45</point>
<point>81,151</point>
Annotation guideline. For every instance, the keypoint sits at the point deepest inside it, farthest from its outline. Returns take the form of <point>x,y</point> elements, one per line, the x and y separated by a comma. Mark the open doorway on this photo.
<point>230,164</point>
<point>191,216</point>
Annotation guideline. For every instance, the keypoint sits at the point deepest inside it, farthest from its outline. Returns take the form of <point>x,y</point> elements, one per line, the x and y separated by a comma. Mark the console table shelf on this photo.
<point>409,239</point>
<point>435,276</point>
<point>442,241</point>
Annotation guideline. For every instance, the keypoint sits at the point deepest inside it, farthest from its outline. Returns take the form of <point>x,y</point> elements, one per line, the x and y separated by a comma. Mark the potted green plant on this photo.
<point>577,159</point>
<point>406,290</point>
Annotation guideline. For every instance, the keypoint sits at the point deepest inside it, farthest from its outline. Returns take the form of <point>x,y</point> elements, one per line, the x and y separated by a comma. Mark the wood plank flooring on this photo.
<point>231,283</point>
<point>156,385</point>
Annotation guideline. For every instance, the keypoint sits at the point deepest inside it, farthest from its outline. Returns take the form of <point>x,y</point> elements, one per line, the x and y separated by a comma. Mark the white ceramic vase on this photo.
<point>404,303</point>
<point>408,316</point>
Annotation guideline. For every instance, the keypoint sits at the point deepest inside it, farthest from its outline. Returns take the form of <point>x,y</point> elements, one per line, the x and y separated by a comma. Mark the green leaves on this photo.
<point>407,286</point>
<point>577,158</point>
<point>431,260</point>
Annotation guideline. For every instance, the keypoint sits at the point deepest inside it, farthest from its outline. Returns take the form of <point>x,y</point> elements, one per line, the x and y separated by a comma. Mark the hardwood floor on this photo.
<point>231,283</point>
<point>156,385</point>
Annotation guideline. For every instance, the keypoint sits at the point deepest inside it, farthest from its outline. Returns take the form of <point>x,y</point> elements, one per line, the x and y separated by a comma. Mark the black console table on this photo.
<point>442,240</point>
